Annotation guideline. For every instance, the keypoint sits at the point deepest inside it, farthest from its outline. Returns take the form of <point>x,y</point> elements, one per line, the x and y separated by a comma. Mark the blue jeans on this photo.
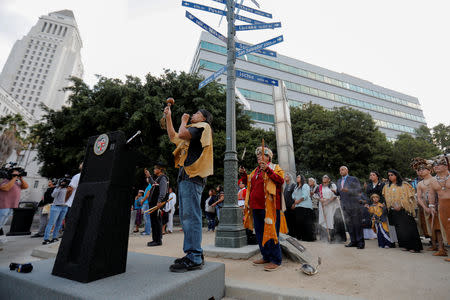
<point>190,194</point>
<point>5,213</point>
<point>271,252</point>
<point>148,224</point>
<point>57,214</point>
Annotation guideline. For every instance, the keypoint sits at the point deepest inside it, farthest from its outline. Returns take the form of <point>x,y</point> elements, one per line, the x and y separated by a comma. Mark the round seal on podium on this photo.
<point>101,144</point>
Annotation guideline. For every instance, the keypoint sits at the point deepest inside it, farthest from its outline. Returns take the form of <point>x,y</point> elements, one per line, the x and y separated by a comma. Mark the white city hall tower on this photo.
<point>40,64</point>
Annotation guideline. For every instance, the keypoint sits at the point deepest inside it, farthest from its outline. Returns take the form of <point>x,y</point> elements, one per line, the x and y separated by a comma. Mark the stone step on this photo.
<point>147,277</point>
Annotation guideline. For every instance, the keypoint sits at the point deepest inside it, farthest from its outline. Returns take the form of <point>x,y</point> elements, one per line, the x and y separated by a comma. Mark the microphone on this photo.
<point>135,135</point>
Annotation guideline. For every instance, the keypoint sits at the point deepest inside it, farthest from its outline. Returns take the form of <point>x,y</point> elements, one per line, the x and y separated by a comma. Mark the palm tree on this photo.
<point>13,130</point>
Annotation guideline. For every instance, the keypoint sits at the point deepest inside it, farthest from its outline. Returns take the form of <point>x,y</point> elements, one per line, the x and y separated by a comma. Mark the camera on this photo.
<point>62,182</point>
<point>7,169</point>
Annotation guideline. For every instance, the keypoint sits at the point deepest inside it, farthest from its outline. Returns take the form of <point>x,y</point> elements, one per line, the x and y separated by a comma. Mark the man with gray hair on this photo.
<point>349,190</point>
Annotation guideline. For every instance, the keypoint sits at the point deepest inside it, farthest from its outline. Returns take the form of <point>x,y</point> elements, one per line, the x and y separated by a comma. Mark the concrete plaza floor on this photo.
<point>372,273</point>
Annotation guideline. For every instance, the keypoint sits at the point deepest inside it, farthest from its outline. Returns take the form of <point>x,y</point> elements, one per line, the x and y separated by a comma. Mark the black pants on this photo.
<point>406,229</point>
<point>354,226</point>
<point>290,221</point>
<point>304,224</point>
<point>155,220</point>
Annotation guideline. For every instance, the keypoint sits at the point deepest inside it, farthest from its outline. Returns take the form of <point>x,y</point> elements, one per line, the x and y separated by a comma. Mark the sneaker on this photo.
<point>46,242</point>
<point>179,260</point>
<point>259,262</point>
<point>271,267</point>
<point>144,233</point>
<point>184,265</point>
<point>54,240</point>
<point>152,244</point>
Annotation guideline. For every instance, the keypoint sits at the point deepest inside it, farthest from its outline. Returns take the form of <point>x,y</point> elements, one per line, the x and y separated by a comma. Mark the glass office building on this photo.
<point>393,112</point>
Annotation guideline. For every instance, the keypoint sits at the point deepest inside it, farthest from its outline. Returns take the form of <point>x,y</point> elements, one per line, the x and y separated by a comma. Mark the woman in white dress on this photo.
<point>328,215</point>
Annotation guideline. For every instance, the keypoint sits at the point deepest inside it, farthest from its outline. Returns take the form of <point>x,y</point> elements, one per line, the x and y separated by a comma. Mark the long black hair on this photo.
<point>376,173</point>
<point>302,180</point>
<point>397,175</point>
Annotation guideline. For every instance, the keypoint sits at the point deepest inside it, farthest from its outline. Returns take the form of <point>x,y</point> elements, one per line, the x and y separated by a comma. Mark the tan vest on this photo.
<point>204,165</point>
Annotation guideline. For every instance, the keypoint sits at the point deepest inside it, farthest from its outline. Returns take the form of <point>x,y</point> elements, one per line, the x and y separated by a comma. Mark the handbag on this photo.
<point>46,209</point>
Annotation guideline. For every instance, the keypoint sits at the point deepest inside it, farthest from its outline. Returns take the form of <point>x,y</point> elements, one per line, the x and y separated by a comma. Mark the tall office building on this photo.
<point>393,112</point>
<point>40,63</point>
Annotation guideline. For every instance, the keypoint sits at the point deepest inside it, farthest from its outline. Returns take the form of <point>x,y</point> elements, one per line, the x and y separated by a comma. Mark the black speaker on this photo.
<point>95,240</point>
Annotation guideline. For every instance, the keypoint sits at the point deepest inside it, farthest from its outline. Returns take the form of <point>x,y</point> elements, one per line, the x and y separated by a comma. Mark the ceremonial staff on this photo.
<point>170,102</point>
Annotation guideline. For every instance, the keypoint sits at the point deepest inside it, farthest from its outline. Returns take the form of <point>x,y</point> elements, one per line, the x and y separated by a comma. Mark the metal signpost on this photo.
<point>230,232</point>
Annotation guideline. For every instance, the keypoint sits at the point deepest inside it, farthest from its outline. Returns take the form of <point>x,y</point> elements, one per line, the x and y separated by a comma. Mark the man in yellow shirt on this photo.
<point>194,157</point>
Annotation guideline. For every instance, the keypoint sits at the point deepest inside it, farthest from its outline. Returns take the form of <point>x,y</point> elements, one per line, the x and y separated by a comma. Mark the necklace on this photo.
<point>444,180</point>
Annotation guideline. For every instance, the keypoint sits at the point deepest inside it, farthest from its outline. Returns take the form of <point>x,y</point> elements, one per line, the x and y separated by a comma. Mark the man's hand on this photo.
<point>263,165</point>
<point>159,205</point>
<point>185,118</point>
<point>366,205</point>
<point>345,190</point>
<point>167,112</point>
<point>242,170</point>
<point>293,206</point>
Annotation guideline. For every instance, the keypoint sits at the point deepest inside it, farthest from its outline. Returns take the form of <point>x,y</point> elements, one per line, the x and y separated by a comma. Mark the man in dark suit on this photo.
<point>349,190</point>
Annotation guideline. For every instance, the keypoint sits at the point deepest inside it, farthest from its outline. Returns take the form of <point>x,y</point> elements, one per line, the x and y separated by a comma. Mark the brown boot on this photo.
<point>441,252</point>
<point>271,267</point>
<point>259,262</point>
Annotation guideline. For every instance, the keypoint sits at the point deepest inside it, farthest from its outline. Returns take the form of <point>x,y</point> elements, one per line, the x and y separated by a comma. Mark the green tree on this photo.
<point>424,133</point>
<point>326,139</point>
<point>441,137</point>
<point>13,135</point>
<point>406,148</point>
<point>131,106</point>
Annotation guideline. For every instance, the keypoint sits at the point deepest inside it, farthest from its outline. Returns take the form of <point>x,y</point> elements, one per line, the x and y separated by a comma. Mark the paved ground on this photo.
<point>372,273</point>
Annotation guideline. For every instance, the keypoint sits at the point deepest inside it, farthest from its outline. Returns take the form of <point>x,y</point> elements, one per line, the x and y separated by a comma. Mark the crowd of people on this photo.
<point>382,209</point>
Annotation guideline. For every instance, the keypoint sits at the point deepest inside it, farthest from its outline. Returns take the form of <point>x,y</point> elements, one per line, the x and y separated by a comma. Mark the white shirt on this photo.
<point>172,200</point>
<point>74,184</point>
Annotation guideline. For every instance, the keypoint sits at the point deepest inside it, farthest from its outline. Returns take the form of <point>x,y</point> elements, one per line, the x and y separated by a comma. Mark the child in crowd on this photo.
<point>210,211</point>
<point>138,209</point>
<point>379,222</point>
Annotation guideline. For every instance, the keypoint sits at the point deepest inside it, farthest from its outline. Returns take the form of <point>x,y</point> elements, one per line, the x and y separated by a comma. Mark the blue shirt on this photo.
<point>137,203</point>
<point>304,193</point>
<point>145,193</point>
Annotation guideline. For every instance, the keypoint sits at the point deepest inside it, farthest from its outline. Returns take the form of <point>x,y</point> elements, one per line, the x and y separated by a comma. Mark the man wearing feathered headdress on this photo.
<point>263,207</point>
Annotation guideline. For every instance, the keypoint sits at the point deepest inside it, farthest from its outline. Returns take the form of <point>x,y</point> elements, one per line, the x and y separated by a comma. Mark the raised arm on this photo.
<point>169,125</point>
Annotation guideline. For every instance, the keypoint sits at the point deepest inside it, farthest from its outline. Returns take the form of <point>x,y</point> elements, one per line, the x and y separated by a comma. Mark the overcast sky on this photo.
<point>398,44</point>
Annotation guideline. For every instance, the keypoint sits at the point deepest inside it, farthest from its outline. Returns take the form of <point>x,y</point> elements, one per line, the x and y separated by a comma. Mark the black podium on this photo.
<point>95,241</point>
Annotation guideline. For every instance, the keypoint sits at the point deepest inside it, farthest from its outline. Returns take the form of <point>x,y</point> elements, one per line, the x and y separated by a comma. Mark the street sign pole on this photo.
<point>230,233</point>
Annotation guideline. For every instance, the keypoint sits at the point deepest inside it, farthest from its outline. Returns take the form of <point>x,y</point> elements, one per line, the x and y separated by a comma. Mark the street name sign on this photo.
<point>258,26</point>
<point>219,12</point>
<point>205,27</point>
<point>262,51</point>
<point>212,77</point>
<point>260,46</point>
<point>257,78</point>
<point>248,9</point>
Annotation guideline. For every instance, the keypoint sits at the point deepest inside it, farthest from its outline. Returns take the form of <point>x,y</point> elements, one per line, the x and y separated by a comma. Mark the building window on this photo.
<point>43,27</point>
<point>32,111</point>
<point>12,89</point>
<point>65,30</point>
